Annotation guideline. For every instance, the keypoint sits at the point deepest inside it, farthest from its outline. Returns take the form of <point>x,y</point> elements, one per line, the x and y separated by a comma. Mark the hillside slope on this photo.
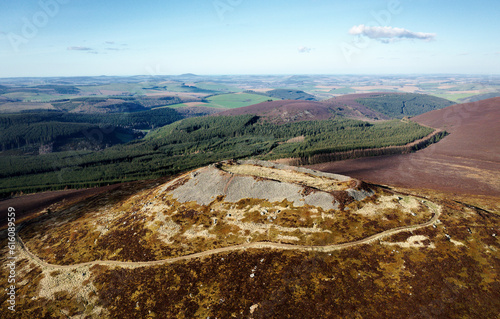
<point>474,129</point>
<point>285,111</point>
<point>399,105</point>
<point>466,161</point>
<point>252,239</point>
<point>286,94</point>
<point>385,105</point>
<point>365,106</point>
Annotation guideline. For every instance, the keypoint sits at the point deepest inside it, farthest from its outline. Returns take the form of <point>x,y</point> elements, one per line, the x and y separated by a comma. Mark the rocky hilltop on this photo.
<point>254,239</point>
<point>261,180</point>
<point>221,205</point>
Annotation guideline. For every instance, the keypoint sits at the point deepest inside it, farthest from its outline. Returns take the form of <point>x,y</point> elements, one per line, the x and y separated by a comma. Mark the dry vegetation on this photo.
<point>154,225</point>
<point>449,269</point>
<point>370,281</point>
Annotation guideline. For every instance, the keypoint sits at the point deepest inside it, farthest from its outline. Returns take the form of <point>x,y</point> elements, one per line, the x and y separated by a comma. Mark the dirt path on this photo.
<point>255,245</point>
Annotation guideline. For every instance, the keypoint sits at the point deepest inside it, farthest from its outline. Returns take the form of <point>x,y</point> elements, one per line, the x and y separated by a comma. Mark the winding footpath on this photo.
<point>254,245</point>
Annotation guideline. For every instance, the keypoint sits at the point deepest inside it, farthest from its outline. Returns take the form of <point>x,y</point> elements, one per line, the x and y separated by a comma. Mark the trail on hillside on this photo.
<point>255,245</point>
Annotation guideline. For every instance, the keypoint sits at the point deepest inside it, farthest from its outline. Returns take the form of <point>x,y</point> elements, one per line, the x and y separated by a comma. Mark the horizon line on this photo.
<point>258,74</point>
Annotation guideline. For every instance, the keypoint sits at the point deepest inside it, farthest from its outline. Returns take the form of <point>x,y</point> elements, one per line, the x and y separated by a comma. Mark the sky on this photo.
<point>168,37</point>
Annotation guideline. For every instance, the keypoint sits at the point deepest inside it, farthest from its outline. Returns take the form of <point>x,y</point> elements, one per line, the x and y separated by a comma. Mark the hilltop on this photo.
<point>255,239</point>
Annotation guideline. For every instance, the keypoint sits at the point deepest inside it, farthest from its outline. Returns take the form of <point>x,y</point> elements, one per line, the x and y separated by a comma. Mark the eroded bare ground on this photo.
<point>289,176</point>
<point>161,223</point>
<point>451,270</point>
<point>448,267</point>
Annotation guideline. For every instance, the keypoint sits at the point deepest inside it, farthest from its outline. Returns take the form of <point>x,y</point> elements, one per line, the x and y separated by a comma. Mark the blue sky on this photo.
<point>111,37</point>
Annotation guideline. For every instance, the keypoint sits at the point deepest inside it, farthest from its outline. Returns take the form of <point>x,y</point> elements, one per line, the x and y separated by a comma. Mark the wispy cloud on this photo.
<point>303,49</point>
<point>110,42</point>
<point>77,48</point>
<point>389,34</point>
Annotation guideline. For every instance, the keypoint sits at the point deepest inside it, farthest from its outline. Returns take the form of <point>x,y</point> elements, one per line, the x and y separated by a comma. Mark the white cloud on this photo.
<point>389,34</point>
<point>303,49</point>
<point>80,49</point>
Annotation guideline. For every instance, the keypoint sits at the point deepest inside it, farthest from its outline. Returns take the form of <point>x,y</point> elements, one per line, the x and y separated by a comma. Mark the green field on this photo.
<point>232,101</point>
<point>468,87</point>
<point>344,90</point>
<point>133,88</point>
<point>455,97</point>
<point>428,86</point>
<point>217,87</point>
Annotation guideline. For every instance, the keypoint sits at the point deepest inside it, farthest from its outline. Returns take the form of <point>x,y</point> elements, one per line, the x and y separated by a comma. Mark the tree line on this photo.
<point>196,142</point>
<point>19,130</point>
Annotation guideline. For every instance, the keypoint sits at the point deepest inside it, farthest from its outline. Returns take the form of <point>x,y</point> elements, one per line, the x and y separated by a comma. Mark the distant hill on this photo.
<point>41,89</point>
<point>286,94</point>
<point>349,106</point>
<point>399,105</point>
<point>285,111</point>
<point>367,106</point>
<point>384,105</point>
<point>480,97</point>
